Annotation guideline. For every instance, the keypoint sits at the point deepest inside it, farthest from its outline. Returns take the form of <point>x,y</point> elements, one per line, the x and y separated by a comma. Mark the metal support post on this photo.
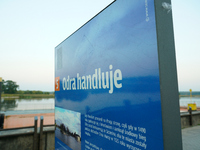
<point>1,120</point>
<point>41,132</point>
<point>190,112</point>
<point>35,139</point>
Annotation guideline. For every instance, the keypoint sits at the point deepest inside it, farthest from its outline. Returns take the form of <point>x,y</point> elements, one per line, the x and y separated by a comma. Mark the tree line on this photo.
<point>31,92</point>
<point>11,87</point>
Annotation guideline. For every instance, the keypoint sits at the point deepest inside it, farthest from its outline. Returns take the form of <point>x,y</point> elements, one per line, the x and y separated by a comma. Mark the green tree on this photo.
<point>9,87</point>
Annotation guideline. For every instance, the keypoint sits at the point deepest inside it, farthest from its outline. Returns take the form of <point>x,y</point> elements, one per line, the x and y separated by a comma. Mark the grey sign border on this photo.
<point>168,77</point>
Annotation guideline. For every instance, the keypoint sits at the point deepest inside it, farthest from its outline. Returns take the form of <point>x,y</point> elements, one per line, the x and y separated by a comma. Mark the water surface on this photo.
<point>49,103</point>
<point>26,104</point>
<point>185,100</point>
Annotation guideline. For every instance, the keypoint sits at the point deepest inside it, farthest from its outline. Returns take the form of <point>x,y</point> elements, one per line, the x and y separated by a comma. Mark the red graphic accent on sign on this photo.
<point>57,84</point>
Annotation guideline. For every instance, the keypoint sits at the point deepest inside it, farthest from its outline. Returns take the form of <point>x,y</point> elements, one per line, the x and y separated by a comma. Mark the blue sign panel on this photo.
<point>107,89</point>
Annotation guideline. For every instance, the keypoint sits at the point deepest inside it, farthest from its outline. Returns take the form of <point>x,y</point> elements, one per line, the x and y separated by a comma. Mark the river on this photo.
<point>48,103</point>
<point>185,100</point>
<point>9,104</point>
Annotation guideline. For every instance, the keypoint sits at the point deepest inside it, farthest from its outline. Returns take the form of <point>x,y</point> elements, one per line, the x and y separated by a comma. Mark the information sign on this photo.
<point>107,83</point>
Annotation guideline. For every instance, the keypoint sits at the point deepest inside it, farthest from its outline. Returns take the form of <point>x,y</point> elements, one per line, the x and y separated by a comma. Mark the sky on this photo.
<point>30,31</point>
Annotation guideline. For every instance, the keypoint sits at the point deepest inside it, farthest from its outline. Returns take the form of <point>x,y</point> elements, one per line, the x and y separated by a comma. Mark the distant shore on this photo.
<point>52,96</point>
<point>27,96</point>
<point>189,95</point>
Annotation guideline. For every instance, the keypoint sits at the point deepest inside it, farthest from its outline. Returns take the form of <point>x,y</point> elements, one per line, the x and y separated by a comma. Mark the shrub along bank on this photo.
<point>27,96</point>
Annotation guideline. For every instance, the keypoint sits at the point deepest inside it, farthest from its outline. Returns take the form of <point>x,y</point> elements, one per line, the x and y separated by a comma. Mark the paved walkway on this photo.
<point>18,119</point>
<point>26,120</point>
<point>191,138</point>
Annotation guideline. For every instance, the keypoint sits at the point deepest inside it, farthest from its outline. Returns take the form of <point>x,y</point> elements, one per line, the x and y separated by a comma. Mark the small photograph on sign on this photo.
<point>68,127</point>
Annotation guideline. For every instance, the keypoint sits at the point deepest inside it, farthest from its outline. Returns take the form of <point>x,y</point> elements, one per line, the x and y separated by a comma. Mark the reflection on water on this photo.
<point>8,104</point>
<point>184,101</point>
<point>68,140</point>
<point>48,103</point>
<point>26,104</point>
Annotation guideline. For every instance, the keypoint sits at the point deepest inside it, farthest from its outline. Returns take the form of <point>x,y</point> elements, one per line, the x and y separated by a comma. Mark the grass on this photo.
<point>28,96</point>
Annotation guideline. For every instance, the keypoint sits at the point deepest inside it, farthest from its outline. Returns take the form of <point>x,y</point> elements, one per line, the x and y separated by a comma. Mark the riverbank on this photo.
<point>27,96</point>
